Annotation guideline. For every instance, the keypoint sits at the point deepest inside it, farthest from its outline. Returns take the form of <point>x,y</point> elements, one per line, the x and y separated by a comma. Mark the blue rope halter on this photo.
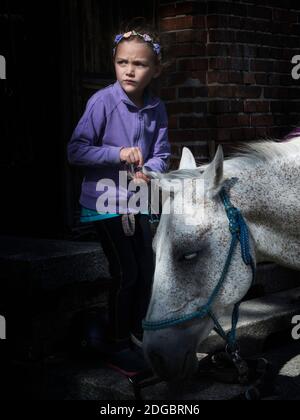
<point>240,232</point>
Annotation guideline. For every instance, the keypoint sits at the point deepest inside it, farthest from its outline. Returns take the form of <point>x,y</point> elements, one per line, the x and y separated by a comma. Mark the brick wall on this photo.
<point>230,80</point>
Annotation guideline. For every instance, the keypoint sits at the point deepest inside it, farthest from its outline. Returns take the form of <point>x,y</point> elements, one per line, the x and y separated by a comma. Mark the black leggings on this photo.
<point>131,266</point>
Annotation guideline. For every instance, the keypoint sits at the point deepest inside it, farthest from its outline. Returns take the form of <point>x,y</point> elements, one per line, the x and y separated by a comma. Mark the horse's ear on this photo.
<point>187,160</point>
<point>214,174</point>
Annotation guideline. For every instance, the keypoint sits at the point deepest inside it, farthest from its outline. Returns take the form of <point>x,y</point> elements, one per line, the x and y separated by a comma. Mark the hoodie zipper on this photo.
<point>140,125</point>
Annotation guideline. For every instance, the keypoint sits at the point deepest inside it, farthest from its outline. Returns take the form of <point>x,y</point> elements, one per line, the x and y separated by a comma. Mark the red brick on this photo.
<point>237,106</point>
<point>183,8</point>
<point>178,78</point>
<point>221,91</point>
<point>168,38</point>
<point>183,22</point>
<point>173,122</point>
<point>167,10</point>
<point>199,75</point>
<point>249,37</point>
<point>191,92</point>
<point>277,106</point>
<point>240,64</point>
<point>243,134</point>
<point>239,50</point>
<point>200,107</point>
<point>219,107</point>
<point>261,120</point>
<point>257,106</point>
<point>188,50</point>
<point>193,64</point>
<point>233,121</point>
<point>180,136</point>
<point>237,134</point>
<point>196,122</point>
<point>223,134</point>
<point>176,150</point>
<point>217,50</point>
<point>235,77</point>
<point>250,92</point>
<point>220,63</point>
<point>282,66</point>
<point>278,93</point>
<point>191,36</point>
<point>168,94</point>
<point>224,77</point>
<point>227,121</point>
<point>226,8</point>
<point>217,21</point>
<point>281,15</point>
<point>222,35</point>
<point>249,79</point>
<point>262,132</point>
<point>260,12</point>
<point>180,108</point>
<point>274,79</point>
<point>261,78</point>
<point>286,80</point>
<point>217,77</point>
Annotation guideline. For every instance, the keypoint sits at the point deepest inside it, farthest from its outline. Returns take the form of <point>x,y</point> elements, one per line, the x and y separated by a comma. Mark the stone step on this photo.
<point>45,283</point>
<point>50,264</point>
<point>261,318</point>
<point>272,278</point>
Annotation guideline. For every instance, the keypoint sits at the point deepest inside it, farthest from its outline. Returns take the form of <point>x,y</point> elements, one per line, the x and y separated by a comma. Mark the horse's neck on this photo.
<point>269,199</point>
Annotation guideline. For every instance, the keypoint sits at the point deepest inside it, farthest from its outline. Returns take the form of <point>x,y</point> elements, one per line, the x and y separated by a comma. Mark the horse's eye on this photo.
<point>190,257</point>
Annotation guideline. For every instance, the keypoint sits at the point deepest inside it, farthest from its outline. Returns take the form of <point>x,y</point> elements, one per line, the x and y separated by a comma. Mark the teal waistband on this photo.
<point>88,215</point>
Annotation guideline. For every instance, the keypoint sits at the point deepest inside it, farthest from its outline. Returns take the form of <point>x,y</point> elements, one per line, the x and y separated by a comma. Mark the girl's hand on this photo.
<point>132,155</point>
<point>140,177</point>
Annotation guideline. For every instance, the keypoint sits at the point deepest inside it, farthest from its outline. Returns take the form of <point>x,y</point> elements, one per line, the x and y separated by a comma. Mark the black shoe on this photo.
<point>127,362</point>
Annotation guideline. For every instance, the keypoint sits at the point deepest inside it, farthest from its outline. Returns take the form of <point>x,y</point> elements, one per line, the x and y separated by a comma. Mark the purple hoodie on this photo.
<point>112,121</point>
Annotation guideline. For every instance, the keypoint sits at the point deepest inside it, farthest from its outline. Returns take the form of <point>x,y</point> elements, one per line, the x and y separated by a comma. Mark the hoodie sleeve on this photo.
<point>84,148</point>
<point>161,152</point>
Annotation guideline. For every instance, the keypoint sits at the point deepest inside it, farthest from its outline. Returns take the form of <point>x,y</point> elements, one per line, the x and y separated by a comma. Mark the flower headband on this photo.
<point>156,47</point>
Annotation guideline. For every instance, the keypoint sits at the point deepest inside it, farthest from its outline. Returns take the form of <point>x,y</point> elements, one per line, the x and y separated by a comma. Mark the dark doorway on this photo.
<point>58,54</point>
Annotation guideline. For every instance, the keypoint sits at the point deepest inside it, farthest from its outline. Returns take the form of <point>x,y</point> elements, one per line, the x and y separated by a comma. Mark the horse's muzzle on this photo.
<point>171,359</point>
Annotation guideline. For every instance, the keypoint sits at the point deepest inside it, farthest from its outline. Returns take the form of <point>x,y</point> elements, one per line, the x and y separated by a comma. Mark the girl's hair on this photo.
<point>141,26</point>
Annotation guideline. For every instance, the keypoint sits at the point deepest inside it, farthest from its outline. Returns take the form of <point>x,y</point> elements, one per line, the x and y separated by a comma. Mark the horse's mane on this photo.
<point>264,151</point>
<point>250,154</point>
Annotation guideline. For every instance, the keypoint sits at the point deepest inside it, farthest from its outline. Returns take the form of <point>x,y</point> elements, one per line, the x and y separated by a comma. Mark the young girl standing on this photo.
<point>123,126</point>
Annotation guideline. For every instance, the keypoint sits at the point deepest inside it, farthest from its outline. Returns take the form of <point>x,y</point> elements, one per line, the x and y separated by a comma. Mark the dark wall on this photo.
<point>31,135</point>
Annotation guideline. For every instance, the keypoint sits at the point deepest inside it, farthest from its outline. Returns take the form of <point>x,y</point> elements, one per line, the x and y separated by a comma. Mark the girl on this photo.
<point>124,125</point>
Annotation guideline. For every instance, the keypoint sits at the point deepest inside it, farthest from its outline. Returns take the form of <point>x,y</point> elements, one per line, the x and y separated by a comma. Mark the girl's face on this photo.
<point>135,65</point>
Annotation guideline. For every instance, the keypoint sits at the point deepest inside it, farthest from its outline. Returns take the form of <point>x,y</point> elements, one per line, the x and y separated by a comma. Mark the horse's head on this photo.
<point>190,259</point>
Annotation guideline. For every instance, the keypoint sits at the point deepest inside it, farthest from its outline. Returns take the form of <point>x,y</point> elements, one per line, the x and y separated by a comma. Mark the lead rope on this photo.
<point>128,224</point>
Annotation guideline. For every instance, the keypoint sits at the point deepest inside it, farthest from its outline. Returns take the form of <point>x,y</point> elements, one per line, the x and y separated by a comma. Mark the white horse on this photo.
<point>263,181</point>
